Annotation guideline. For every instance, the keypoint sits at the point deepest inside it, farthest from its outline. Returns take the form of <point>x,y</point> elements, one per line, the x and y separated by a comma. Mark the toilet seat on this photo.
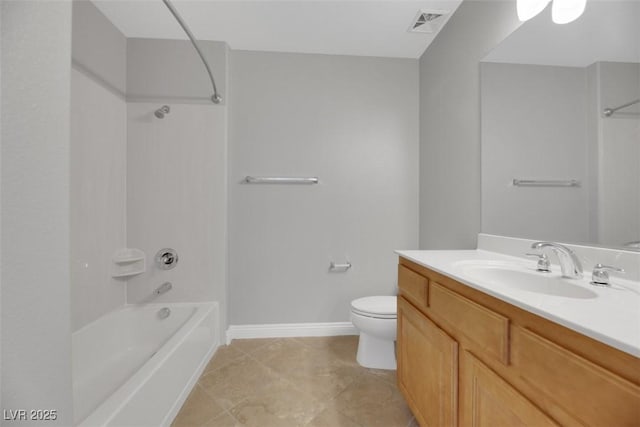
<point>378,307</point>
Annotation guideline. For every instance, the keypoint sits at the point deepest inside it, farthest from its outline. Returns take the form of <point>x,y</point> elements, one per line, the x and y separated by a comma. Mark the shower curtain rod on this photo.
<point>609,111</point>
<point>216,98</point>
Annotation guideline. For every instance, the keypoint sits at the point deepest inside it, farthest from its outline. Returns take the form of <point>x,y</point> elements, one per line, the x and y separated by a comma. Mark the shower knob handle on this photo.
<point>166,258</point>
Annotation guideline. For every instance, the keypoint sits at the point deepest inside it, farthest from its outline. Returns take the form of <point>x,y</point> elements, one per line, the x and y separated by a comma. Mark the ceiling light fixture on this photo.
<point>565,11</point>
<point>527,9</point>
<point>562,11</point>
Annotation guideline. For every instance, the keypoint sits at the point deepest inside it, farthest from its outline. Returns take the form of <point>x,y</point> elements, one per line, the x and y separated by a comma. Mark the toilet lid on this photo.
<point>380,306</point>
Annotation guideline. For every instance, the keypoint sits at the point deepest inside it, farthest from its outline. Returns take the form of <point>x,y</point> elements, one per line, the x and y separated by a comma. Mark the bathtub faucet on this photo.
<point>164,288</point>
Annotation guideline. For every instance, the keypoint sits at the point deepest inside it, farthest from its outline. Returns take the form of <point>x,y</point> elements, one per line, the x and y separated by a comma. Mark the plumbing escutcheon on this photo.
<point>166,258</point>
<point>543,262</point>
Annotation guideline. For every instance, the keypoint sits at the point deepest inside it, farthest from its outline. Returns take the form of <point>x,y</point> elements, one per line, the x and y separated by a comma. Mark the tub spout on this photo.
<point>165,287</point>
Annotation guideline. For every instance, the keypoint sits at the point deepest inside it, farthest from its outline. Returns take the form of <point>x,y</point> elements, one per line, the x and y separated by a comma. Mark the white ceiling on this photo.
<point>607,31</point>
<point>348,27</point>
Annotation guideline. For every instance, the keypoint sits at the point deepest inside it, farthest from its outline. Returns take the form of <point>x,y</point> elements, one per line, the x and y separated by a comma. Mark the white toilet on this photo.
<point>376,319</point>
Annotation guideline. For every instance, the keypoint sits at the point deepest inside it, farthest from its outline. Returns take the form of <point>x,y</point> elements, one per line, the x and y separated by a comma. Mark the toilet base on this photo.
<point>376,353</point>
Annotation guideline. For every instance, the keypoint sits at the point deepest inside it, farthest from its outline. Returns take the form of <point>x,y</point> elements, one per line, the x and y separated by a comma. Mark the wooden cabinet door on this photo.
<point>427,368</point>
<point>486,400</point>
<point>580,389</point>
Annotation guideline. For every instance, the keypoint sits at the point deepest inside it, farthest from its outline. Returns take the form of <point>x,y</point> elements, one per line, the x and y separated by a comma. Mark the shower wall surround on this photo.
<point>98,163</point>
<point>139,181</point>
<point>98,194</point>
<point>177,170</point>
<point>352,122</point>
<point>176,197</point>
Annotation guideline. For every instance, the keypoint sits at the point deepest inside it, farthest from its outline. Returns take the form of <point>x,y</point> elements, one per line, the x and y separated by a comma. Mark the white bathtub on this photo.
<point>134,368</point>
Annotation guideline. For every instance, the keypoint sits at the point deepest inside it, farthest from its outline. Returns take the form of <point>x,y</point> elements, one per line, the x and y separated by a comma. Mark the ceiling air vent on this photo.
<point>427,21</point>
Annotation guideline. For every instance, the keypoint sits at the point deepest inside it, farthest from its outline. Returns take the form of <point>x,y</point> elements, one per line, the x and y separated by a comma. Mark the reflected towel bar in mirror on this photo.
<point>608,112</point>
<point>545,183</point>
<point>280,180</point>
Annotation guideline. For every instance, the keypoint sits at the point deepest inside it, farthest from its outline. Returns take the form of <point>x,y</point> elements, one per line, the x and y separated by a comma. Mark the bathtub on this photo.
<point>132,367</point>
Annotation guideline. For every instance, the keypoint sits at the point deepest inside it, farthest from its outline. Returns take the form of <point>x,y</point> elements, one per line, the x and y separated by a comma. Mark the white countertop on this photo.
<point>612,317</point>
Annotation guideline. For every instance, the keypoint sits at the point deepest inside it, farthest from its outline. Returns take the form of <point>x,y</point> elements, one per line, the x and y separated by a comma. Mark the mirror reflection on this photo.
<point>560,129</point>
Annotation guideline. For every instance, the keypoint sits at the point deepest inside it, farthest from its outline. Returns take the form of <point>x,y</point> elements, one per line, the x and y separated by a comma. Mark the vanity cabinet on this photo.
<point>466,358</point>
<point>419,339</point>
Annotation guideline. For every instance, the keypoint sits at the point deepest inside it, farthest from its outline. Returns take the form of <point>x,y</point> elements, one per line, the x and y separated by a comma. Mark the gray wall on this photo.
<point>450,123</point>
<point>534,126</point>
<point>36,327</point>
<point>351,121</point>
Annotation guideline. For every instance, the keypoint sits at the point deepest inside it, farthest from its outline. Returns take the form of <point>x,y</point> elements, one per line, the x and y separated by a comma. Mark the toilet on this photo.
<point>376,318</point>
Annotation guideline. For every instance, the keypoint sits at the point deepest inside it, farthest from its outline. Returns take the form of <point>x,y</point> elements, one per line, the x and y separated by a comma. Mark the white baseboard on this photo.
<point>279,330</point>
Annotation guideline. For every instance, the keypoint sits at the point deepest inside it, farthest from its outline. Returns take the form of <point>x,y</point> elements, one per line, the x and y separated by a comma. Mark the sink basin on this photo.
<point>515,276</point>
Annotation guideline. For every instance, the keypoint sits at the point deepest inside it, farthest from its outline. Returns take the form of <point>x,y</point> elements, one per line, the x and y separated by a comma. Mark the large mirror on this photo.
<point>560,129</point>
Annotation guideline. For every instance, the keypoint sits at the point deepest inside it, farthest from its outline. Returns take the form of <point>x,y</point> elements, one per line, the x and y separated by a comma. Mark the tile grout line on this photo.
<point>202,389</point>
<point>364,373</point>
<point>224,410</point>
<point>215,399</point>
<point>205,373</point>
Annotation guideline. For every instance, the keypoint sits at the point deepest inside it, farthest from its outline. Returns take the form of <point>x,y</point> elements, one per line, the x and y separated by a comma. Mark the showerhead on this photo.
<point>160,112</point>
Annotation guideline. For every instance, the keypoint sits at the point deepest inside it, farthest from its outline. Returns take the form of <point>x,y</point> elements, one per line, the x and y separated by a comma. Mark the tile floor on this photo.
<point>314,382</point>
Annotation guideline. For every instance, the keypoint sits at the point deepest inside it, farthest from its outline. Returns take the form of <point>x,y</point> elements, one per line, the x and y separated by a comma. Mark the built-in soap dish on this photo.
<point>128,262</point>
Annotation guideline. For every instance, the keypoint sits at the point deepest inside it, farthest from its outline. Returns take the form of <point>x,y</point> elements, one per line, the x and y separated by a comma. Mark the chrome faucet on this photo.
<point>569,262</point>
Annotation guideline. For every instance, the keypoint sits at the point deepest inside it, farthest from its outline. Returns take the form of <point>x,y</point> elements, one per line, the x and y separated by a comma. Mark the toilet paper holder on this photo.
<point>334,266</point>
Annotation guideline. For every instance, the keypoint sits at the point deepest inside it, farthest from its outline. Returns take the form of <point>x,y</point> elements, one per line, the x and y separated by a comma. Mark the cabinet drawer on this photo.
<point>588,392</point>
<point>412,286</point>
<point>487,329</point>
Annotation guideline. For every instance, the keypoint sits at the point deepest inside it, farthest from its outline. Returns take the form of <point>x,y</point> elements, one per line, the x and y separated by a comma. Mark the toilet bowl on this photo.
<point>376,319</point>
